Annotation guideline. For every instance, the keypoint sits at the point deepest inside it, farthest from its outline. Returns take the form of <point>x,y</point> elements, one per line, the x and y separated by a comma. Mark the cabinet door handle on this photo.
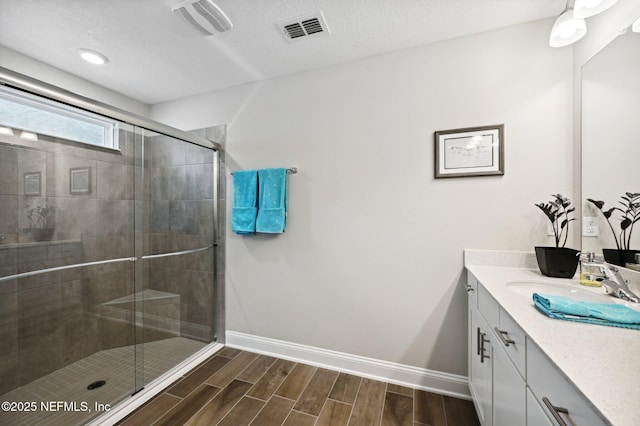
<point>504,336</point>
<point>468,288</point>
<point>555,411</point>
<point>482,349</point>
<point>478,340</point>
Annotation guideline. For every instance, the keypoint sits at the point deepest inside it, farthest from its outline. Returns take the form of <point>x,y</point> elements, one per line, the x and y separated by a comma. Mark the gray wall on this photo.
<point>371,262</point>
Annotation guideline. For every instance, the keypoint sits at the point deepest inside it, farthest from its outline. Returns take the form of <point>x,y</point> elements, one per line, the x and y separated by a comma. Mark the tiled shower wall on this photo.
<point>50,320</point>
<point>182,199</point>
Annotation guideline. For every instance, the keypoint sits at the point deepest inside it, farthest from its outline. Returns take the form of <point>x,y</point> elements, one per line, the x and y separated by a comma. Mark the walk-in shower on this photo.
<point>110,252</point>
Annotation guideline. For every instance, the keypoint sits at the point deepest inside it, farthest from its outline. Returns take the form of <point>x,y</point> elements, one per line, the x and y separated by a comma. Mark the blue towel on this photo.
<point>272,204</point>
<point>610,314</point>
<point>245,196</point>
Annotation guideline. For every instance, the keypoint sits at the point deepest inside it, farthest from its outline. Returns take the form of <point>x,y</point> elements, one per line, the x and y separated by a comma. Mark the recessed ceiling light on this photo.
<point>93,57</point>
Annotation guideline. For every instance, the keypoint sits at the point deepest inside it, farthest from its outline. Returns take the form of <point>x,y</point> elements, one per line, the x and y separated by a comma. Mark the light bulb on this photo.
<point>567,29</point>
<point>586,8</point>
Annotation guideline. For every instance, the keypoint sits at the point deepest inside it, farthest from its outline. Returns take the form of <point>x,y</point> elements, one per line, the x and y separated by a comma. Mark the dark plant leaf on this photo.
<point>548,210</point>
<point>598,204</point>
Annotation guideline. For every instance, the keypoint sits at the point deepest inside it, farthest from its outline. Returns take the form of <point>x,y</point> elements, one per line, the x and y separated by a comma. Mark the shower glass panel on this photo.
<point>106,268</point>
<point>176,249</point>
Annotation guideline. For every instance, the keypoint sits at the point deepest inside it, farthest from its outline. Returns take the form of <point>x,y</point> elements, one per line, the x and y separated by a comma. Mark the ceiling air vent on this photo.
<point>304,26</point>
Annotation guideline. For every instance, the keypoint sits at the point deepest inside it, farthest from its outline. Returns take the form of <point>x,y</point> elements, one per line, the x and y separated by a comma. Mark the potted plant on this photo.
<point>629,215</point>
<point>558,261</point>
<point>40,226</point>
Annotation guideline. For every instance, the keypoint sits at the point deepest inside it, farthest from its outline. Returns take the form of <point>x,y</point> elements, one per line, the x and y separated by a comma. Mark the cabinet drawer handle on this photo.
<point>468,288</point>
<point>555,411</point>
<point>482,349</point>
<point>504,336</point>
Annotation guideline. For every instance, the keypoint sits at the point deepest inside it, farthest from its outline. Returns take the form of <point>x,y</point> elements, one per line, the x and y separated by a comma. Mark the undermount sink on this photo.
<point>597,295</point>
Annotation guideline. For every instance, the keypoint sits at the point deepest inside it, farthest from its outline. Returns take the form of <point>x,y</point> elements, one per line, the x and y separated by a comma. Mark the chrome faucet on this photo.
<point>615,285</point>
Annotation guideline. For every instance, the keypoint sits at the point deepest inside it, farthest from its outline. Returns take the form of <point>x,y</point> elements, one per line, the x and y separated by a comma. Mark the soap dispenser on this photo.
<point>590,273</point>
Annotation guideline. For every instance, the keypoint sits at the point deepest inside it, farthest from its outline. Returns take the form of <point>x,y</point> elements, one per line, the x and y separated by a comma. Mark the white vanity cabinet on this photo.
<point>480,366</point>
<point>554,394</point>
<point>509,391</point>
<point>511,380</point>
<point>535,413</point>
<point>496,384</point>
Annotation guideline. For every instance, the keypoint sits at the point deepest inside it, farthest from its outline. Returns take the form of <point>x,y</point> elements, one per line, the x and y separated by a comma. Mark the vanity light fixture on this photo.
<point>92,56</point>
<point>587,8</point>
<point>6,131</point>
<point>567,29</point>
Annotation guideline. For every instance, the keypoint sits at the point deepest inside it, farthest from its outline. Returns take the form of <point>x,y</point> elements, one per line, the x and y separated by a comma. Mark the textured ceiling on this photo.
<point>155,57</point>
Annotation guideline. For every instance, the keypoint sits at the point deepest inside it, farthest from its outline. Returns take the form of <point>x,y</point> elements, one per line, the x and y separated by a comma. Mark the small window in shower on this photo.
<point>27,116</point>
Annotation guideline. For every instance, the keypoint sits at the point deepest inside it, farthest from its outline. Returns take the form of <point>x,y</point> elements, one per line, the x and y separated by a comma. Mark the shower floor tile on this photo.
<point>69,384</point>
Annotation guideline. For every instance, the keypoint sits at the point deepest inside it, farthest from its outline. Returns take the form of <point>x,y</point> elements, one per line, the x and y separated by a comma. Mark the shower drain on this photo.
<point>97,384</point>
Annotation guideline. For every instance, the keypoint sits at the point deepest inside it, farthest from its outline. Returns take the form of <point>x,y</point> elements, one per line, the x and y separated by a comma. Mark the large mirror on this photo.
<point>611,147</point>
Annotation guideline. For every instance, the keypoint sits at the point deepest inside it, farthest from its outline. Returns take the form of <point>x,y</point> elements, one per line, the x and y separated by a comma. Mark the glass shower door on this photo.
<point>175,246</point>
<point>107,266</point>
<point>67,344</point>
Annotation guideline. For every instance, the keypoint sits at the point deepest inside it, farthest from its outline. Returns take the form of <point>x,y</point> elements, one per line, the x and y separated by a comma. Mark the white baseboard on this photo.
<point>405,375</point>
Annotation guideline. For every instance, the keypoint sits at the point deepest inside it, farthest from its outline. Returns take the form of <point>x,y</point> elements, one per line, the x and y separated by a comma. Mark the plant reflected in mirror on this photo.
<point>629,215</point>
<point>40,216</point>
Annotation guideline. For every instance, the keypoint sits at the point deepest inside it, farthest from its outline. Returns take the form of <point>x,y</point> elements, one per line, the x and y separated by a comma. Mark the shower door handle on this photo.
<point>101,262</point>
<point>60,268</point>
<point>177,253</point>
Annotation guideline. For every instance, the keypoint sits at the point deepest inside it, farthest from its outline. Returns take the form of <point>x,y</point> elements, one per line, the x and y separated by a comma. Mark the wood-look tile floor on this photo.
<point>236,388</point>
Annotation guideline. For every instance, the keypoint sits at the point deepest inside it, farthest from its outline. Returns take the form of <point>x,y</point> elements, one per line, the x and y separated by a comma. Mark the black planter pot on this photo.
<point>619,257</point>
<point>557,262</point>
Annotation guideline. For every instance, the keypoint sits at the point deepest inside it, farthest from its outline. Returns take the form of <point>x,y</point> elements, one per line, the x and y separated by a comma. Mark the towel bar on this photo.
<point>290,170</point>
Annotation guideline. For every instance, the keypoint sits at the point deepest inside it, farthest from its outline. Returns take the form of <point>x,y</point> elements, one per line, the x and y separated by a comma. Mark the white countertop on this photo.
<point>602,362</point>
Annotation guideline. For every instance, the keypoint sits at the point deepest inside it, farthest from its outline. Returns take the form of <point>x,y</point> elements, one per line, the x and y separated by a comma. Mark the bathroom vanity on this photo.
<point>528,369</point>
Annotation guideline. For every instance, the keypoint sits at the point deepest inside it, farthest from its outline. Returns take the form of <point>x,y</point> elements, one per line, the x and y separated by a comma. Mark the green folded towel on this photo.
<point>611,314</point>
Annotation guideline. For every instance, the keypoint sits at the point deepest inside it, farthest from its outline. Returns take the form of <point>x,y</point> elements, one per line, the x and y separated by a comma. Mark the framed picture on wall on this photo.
<point>32,183</point>
<point>80,180</point>
<point>472,151</point>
